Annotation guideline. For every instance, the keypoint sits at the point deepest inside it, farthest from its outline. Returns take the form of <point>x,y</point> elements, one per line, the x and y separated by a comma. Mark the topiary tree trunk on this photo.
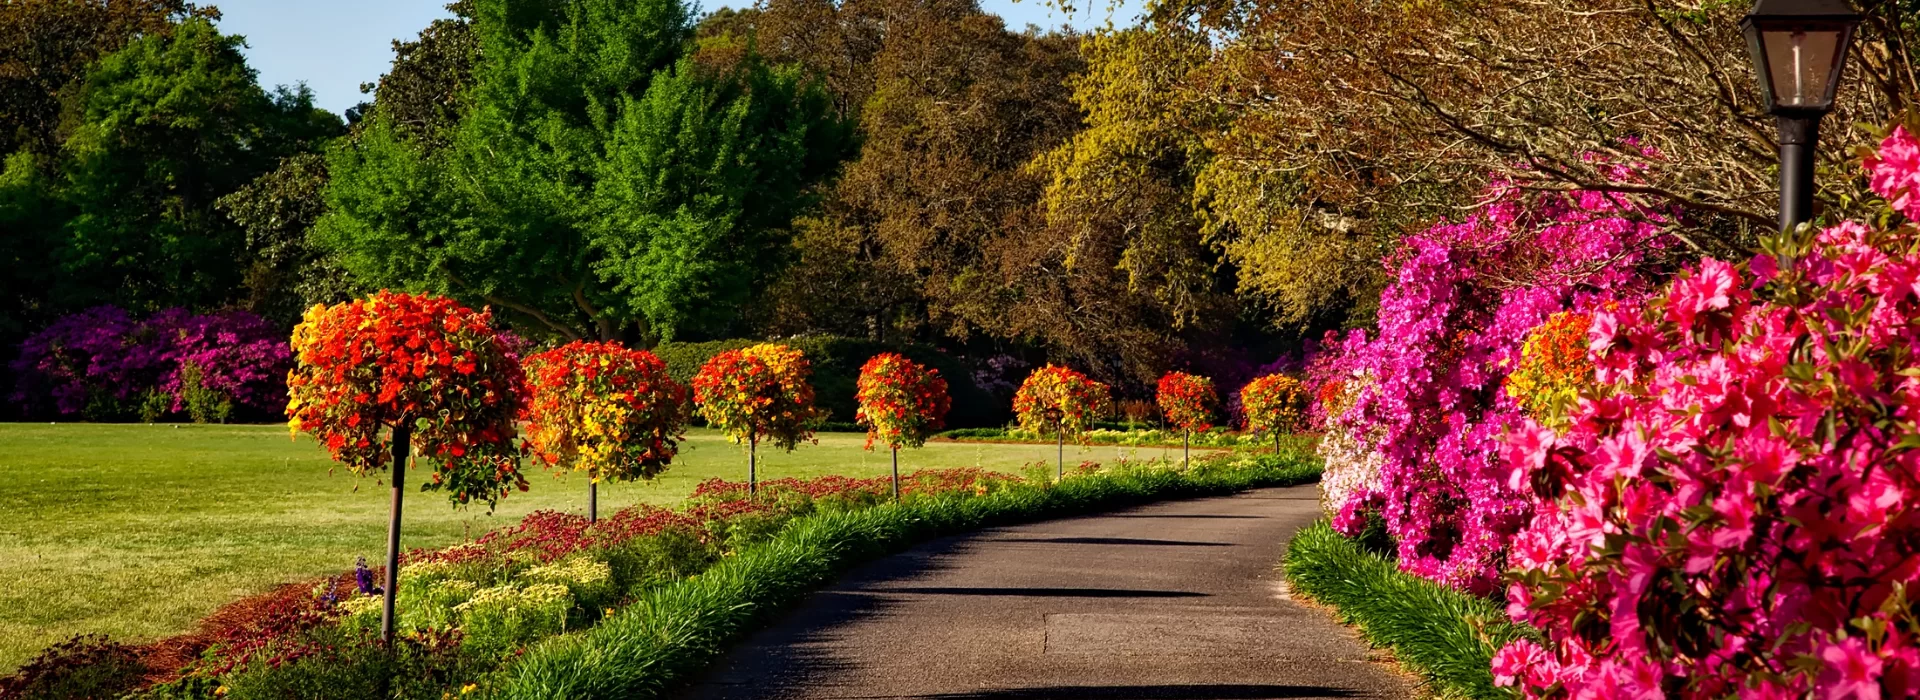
<point>402,435</point>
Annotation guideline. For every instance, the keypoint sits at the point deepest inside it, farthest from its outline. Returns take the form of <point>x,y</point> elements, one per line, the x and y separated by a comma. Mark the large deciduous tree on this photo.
<point>605,177</point>
<point>46,46</point>
<point>1337,126</point>
<point>162,129</point>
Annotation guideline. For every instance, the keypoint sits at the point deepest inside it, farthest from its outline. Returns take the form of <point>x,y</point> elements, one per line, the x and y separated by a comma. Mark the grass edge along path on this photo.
<point>651,646</point>
<point>1445,636</point>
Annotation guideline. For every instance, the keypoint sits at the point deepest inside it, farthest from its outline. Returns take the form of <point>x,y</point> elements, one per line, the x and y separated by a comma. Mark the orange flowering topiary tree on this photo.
<point>1187,401</point>
<point>1274,404</point>
<point>606,410</point>
<point>758,393</point>
<point>396,374</point>
<point>1553,368</point>
<point>902,403</point>
<point>1061,400</point>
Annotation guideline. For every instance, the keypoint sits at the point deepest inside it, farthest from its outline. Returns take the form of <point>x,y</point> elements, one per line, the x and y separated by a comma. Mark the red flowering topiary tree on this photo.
<point>1061,400</point>
<point>395,374</point>
<point>902,403</point>
<point>1275,404</point>
<point>756,393</point>
<point>606,410</point>
<point>1187,401</point>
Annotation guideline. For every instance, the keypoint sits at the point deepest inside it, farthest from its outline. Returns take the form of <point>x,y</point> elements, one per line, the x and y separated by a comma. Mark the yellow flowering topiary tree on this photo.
<point>758,393</point>
<point>606,410</point>
<point>1063,401</point>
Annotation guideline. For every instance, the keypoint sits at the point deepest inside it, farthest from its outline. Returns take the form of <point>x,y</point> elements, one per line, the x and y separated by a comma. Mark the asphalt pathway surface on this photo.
<point>1176,601</point>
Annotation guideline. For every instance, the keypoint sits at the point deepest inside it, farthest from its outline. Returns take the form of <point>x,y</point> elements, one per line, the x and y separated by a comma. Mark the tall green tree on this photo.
<point>46,46</point>
<point>161,130</point>
<point>604,178</point>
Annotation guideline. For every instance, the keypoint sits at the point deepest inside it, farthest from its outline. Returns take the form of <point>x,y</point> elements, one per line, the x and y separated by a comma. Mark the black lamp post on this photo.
<point>1799,51</point>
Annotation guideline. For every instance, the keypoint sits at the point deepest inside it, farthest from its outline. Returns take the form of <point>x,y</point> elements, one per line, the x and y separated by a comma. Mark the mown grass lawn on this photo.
<point>137,531</point>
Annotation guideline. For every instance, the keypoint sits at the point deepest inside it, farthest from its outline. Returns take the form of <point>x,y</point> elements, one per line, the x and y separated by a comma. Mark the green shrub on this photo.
<point>155,405</point>
<point>347,664</point>
<point>81,668</point>
<point>644,563</point>
<point>205,404</point>
<point>590,582</point>
<point>748,529</point>
<point>1447,636</point>
<point>498,620</point>
<point>836,369</point>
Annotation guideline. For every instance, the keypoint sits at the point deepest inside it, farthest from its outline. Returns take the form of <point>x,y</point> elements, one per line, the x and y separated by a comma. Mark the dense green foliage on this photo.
<point>674,631</point>
<point>604,179</point>
<point>1447,636</point>
<point>117,204</point>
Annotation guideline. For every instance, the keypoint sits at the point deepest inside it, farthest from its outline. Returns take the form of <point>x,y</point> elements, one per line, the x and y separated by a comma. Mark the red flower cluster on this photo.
<point>902,402</point>
<point>425,361</point>
<point>604,409</point>
<point>758,393</point>
<point>1187,401</point>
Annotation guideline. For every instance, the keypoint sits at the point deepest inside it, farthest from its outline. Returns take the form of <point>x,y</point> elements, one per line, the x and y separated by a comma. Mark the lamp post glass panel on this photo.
<point>1799,50</point>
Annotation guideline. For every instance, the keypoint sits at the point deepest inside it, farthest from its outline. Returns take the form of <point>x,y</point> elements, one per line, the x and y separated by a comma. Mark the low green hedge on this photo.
<point>836,364</point>
<point>1446,636</point>
<point>645,649</point>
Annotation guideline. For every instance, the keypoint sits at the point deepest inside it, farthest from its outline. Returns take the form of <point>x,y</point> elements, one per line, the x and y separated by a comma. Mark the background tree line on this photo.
<point>1205,188</point>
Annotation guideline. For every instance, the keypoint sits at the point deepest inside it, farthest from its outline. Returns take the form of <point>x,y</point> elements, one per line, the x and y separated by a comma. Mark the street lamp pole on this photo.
<point>1799,136</point>
<point>1799,50</point>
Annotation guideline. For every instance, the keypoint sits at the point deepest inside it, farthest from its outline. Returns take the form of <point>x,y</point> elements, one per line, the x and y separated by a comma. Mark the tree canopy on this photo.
<point>606,177</point>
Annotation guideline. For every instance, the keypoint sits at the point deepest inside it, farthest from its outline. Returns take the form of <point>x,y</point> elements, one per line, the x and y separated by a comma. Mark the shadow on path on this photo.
<point>1222,691</point>
<point>1114,540</point>
<point>1047,592</point>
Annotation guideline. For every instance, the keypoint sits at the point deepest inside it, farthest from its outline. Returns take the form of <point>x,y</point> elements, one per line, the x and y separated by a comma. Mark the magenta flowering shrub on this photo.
<point>239,354</point>
<point>1423,404</point>
<point>1733,512</point>
<point>83,359</point>
<point>1894,172</point>
<point>100,362</point>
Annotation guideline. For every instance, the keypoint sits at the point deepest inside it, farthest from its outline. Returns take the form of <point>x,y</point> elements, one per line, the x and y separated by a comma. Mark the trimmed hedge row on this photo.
<point>647,648</point>
<point>836,369</point>
<point>1446,636</point>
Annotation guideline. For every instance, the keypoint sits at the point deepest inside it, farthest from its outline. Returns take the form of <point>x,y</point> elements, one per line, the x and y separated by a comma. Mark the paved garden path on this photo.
<point>1177,600</point>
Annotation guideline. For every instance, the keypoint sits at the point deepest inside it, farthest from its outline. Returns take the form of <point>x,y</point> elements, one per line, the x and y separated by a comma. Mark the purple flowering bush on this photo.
<point>1422,407</point>
<point>103,364</point>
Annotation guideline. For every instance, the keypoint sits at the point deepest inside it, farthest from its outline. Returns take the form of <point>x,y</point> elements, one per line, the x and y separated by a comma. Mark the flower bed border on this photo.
<point>652,645</point>
<point>1445,636</point>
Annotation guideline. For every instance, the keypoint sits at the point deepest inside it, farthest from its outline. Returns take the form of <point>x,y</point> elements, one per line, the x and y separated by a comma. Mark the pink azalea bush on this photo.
<point>102,361</point>
<point>1732,511</point>
<point>1425,398</point>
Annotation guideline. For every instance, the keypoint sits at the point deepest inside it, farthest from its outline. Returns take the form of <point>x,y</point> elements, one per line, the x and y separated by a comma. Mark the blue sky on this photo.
<point>335,45</point>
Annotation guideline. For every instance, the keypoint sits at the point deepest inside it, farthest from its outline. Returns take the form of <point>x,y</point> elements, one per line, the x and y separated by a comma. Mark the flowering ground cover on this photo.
<point>138,531</point>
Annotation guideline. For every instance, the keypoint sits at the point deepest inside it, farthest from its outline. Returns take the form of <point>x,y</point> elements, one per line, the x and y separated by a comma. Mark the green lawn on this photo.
<point>137,531</point>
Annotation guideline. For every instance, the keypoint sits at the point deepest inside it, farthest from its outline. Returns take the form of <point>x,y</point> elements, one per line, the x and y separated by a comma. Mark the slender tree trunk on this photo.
<point>1186,449</point>
<point>593,500</point>
<point>1276,443</point>
<point>753,449</point>
<point>896,474</point>
<point>1060,458</point>
<point>402,435</point>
